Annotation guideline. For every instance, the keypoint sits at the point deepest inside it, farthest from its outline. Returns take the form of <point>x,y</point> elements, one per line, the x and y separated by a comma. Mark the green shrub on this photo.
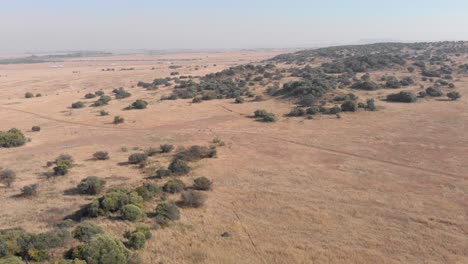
<point>132,213</point>
<point>148,191</point>
<point>120,93</point>
<point>179,167</point>
<point>258,98</point>
<point>91,185</point>
<point>29,190</point>
<point>11,260</point>
<point>101,155</point>
<point>192,198</point>
<point>161,173</point>
<point>139,104</point>
<point>297,112</point>
<point>239,100</point>
<point>86,231</point>
<point>136,240</point>
<point>370,105</point>
<point>36,128</point>
<point>197,99</point>
<point>118,120</point>
<point>90,96</point>
<point>313,110</point>
<point>196,152</point>
<point>349,106</point>
<point>166,212</point>
<point>12,138</point>
<point>7,177</point>
<point>260,113</point>
<point>152,151</point>
<point>102,250</point>
<point>174,186</point>
<point>137,158</point>
<point>403,96</point>
<point>202,184</point>
<point>145,230</point>
<point>103,113</point>
<point>166,148</point>
<point>454,95</point>
<point>63,163</point>
<point>61,170</point>
<point>78,105</point>
<point>28,95</point>
<point>103,100</point>
<point>99,93</point>
<point>435,92</point>
<point>269,117</point>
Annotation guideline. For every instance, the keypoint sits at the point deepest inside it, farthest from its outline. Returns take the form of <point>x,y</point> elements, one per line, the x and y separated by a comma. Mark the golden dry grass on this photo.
<point>373,187</point>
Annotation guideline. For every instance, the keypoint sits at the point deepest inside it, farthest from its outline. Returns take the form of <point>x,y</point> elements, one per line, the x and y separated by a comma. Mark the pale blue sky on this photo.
<point>36,25</point>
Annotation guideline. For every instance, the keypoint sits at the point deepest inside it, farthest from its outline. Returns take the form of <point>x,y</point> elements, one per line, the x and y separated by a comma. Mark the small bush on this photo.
<point>166,148</point>
<point>202,184</point>
<point>132,213</point>
<point>179,167</point>
<point>313,110</point>
<point>91,185</point>
<point>137,158</point>
<point>196,152</point>
<point>101,155</point>
<point>148,191</point>
<point>103,100</point>
<point>103,113</point>
<point>90,95</point>
<point>139,104</point>
<point>258,98</point>
<point>12,138</point>
<point>99,93</point>
<point>370,105</point>
<point>403,96</point>
<point>86,231</point>
<point>174,186</point>
<point>102,250</point>
<point>36,128</point>
<point>239,100</point>
<point>349,106</point>
<point>152,151</point>
<point>260,113</point>
<point>118,120</point>
<point>162,173</point>
<point>192,198</point>
<point>78,105</point>
<point>28,95</point>
<point>435,92</point>
<point>29,190</point>
<point>197,100</point>
<point>297,112</point>
<point>166,212</point>
<point>136,240</point>
<point>7,177</point>
<point>120,93</point>
<point>454,95</point>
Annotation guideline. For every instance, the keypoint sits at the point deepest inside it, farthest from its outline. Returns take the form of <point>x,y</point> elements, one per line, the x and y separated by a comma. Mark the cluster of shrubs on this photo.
<point>62,163</point>
<point>120,93</point>
<point>12,138</point>
<point>403,96</point>
<point>103,100</point>
<point>138,104</point>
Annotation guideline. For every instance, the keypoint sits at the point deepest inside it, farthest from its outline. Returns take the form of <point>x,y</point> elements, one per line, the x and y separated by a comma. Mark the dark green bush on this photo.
<point>139,104</point>
<point>179,167</point>
<point>91,185</point>
<point>349,106</point>
<point>102,250</point>
<point>29,190</point>
<point>239,100</point>
<point>147,191</point>
<point>120,93</point>
<point>166,212</point>
<point>202,184</point>
<point>196,152</point>
<point>132,213</point>
<point>403,96</point>
<point>101,155</point>
<point>77,105</point>
<point>297,112</point>
<point>174,186</point>
<point>136,240</point>
<point>370,105</point>
<point>99,93</point>
<point>118,120</point>
<point>166,148</point>
<point>114,201</point>
<point>137,158</point>
<point>454,95</point>
<point>313,110</point>
<point>28,95</point>
<point>435,92</point>
<point>36,128</point>
<point>86,231</point>
<point>161,173</point>
<point>103,100</point>
<point>103,113</point>
<point>90,96</point>
<point>192,198</point>
<point>12,138</point>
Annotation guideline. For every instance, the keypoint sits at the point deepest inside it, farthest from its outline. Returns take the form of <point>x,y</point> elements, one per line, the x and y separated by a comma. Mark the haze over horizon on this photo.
<point>52,25</point>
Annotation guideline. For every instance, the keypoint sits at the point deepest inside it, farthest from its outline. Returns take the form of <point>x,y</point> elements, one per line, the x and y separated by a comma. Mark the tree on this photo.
<point>102,250</point>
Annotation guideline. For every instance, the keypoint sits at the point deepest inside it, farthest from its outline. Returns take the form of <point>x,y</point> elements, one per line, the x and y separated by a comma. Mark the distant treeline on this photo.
<point>53,57</point>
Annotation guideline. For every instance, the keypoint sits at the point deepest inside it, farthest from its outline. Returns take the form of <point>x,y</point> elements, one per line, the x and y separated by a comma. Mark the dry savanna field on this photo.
<point>384,186</point>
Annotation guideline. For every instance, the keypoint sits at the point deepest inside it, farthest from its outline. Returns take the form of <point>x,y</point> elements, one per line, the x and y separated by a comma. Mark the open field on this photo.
<point>388,186</point>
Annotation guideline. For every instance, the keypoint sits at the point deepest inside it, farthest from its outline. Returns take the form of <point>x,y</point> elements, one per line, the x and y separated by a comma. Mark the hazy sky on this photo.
<point>46,25</point>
